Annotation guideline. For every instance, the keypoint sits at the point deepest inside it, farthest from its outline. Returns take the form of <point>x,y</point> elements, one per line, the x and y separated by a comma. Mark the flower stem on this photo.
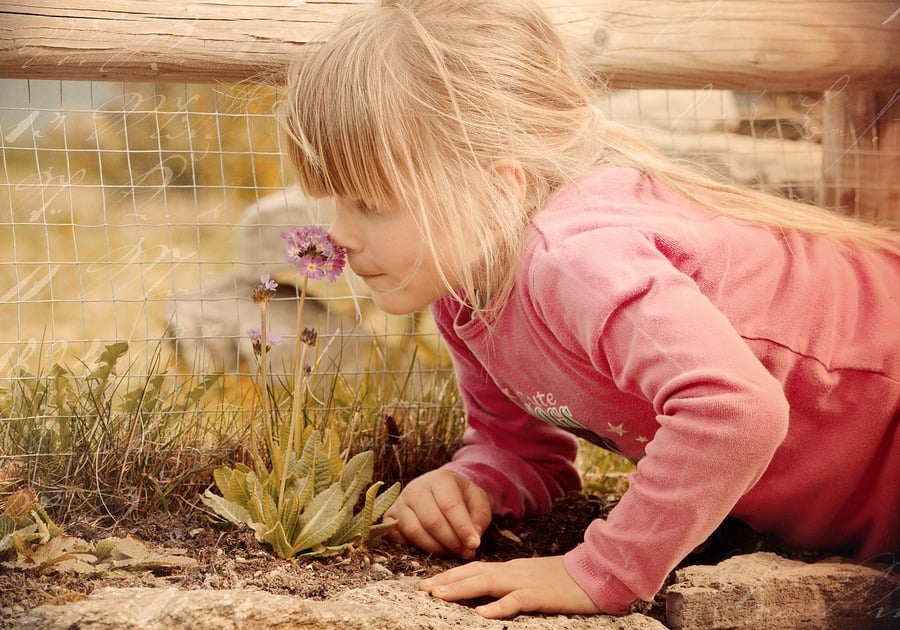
<point>299,380</point>
<point>299,357</point>
<point>264,377</point>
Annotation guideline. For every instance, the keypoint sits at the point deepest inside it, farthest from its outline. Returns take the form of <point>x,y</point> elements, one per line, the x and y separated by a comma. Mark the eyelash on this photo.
<point>363,208</point>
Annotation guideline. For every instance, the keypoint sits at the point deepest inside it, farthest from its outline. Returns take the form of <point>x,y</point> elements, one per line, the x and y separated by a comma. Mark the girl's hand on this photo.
<point>442,513</point>
<point>524,585</point>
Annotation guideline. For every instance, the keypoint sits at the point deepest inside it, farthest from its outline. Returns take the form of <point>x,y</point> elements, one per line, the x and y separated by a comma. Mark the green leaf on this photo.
<point>105,547</point>
<point>131,553</point>
<point>193,397</point>
<point>261,505</point>
<point>321,518</point>
<point>277,539</point>
<point>7,525</point>
<point>229,510</point>
<point>314,537</point>
<point>39,515</point>
<point>356,476</point>
<point>324,551</point>
<point>385,500</point>
<point>289,516</point>
<point>232,483</point>
<point>107,362</point>
<point>81,563</point>
<point>321,455</point>
<point>303,488</point>
<point>380,529</point>
<point>306,466</point>
<point>355,527</point>
<point>333,453</point>
<point>114,352</point>
<point>359,527</point>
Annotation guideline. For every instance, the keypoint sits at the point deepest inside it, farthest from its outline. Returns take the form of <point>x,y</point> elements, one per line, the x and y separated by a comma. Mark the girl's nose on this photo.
<point>341,230</point>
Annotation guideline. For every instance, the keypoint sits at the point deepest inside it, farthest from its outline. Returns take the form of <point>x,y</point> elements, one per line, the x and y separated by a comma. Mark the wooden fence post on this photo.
<point>861,154</point>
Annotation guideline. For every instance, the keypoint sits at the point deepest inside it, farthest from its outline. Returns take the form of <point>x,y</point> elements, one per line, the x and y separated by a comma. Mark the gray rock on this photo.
<point>759,591</point>
<point>386,605</point>
<point>762,591</point>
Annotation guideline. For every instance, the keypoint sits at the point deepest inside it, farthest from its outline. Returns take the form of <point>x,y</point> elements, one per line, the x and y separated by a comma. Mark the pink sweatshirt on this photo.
<point>747,372</point>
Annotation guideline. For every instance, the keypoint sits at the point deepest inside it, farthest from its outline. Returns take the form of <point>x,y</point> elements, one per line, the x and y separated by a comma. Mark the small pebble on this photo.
<point>380,570</point>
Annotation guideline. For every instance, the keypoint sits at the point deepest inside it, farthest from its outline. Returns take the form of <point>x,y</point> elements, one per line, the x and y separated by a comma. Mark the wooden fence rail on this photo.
<point>745,44</point>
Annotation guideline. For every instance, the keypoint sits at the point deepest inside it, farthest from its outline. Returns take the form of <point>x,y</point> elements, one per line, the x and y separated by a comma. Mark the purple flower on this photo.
<point>256,338</point>
<point>264,290</point>
<point>314,252</point>
<point>267,282</point>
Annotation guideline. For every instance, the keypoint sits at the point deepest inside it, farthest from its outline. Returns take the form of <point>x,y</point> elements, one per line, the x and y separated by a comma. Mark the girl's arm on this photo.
<point>721,415</point>
<point>521,462</point>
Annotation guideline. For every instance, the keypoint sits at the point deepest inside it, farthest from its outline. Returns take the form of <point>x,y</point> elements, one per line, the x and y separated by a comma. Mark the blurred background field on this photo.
<point>116,196</point>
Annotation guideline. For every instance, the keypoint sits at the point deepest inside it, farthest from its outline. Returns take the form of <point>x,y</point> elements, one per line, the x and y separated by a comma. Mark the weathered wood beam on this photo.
<point>777,45</point>
<point>861,154</point>
<point>157,40</point>
<point>788,45</point>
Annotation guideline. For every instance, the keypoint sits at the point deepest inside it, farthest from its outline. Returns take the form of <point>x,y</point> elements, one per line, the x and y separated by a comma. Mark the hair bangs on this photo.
<point>348,121</point>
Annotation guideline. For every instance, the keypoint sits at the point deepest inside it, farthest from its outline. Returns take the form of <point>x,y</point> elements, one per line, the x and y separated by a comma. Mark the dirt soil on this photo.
<point>231,558</point>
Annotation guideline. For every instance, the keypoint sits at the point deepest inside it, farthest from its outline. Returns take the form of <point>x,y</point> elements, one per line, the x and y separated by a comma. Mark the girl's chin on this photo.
<point>394,304</point>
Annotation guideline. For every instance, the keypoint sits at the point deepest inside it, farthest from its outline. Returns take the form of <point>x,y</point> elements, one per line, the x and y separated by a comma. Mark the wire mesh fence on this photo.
<point>135,221</point>
<point>144,213</point>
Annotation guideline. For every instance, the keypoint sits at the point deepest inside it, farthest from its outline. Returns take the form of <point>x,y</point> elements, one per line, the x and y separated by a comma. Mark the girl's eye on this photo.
<point>358,206</point>
<point>362,207</point>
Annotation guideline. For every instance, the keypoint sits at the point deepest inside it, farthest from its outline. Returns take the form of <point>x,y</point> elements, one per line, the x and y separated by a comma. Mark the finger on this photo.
<point>523,585</point>
<point>534,599</point>
<point>466,534</point>
<point>425,535</point>
<point>479,507</point>
<point>507,606</point>
<point>465,582</point>
<point>435,525</point>
<point>410,530</point>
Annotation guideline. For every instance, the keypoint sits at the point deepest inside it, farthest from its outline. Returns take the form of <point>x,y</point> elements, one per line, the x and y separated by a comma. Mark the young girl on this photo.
<point>742,349</point>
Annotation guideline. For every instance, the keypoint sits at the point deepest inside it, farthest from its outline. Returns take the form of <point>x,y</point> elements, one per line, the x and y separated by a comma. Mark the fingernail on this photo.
<point>473,542</point>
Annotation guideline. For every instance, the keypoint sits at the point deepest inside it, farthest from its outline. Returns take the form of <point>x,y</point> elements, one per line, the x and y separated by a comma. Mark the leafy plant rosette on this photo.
<point>29,539</point>
<point>301,494</point>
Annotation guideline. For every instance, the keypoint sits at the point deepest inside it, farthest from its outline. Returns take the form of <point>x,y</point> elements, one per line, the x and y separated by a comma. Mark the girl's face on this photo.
<point>387,250</point>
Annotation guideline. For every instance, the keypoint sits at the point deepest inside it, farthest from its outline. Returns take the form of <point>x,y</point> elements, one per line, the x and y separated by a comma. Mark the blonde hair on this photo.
<point>414,102</point>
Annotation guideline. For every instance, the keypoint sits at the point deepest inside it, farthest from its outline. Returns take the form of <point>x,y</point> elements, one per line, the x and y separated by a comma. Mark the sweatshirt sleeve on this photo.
<point>721,416</point>
<point>522,463</point>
